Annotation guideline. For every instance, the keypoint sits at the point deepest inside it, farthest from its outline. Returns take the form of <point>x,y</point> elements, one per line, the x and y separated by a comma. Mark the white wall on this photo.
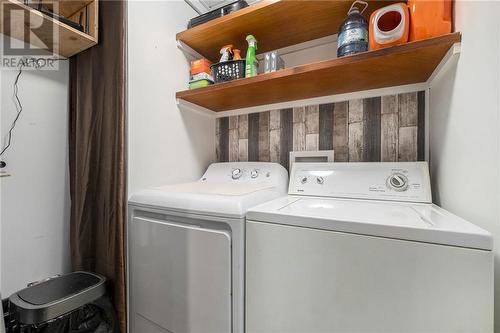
<point>35,198</point>
<point>165,145</point>
<point>465,126</point>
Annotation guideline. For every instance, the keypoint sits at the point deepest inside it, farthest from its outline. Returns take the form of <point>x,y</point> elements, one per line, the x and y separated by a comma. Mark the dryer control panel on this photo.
<point>262,173</point>
<point>398,181</point>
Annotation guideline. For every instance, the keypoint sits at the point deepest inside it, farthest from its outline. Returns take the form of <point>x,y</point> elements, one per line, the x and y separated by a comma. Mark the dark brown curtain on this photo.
<point>97,153</point>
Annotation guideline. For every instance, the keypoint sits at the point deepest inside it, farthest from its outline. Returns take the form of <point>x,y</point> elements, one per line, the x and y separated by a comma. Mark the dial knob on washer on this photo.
<point>254,173</point>
<point>320,180</point>
<point>398,182</point>
<point>303,180</point>
<point>236,174</point>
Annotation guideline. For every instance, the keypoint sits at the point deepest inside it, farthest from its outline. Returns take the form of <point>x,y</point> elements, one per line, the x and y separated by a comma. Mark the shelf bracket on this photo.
<point>448,61</point>
<point>188,51</point>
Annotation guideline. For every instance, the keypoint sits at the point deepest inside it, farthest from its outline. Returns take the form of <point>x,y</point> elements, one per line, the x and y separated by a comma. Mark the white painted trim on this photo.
<point>450,58</point>
<point>185,105</point>
<point>325,99</point>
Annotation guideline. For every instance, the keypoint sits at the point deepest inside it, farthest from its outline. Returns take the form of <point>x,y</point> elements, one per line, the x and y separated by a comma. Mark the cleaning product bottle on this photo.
<point>226,52</point>
<point>251,64</point>
<point>353,32</point>
<point>236,54</point>
<point>389,26</point>
<point>430,18</point>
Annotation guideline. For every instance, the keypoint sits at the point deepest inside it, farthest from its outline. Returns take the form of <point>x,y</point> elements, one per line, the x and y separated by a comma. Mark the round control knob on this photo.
<point>236,174</point>
<point>320,180</point>
<point>303,180</point>
<point>254,173</point>
<point>398,182</point>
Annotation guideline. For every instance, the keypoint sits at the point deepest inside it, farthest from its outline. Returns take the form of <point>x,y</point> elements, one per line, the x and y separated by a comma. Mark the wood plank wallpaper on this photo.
<point>387,128</point>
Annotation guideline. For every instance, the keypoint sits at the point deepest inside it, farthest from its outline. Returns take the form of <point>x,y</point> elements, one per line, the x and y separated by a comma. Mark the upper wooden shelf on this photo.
<point>399,65</point>
<point>57,37</point>
<point>275,24</point>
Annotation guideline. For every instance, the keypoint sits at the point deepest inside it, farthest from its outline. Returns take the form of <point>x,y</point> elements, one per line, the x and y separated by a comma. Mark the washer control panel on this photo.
<point>398,181</point>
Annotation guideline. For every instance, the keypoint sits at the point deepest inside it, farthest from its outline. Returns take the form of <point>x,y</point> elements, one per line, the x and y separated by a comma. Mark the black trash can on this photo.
<point>74,302</point>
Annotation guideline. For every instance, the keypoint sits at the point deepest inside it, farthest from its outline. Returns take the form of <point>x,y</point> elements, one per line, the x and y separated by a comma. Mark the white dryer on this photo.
<point>186,248</point>
<point>359,247</point>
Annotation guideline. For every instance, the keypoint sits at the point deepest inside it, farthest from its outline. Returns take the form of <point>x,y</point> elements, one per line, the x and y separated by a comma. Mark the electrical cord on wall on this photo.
<point>19,108</point>
<point>18,105</point>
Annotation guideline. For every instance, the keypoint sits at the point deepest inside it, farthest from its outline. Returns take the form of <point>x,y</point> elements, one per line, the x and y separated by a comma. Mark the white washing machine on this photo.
<point>359,247</point>
<point>186,249</point>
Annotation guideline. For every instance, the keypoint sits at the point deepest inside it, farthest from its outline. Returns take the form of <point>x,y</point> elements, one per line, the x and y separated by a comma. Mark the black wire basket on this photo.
<point>228,70</point>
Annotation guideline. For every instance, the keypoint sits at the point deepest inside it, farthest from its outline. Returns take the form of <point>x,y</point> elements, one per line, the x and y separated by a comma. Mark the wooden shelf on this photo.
<point>68,41</point>
<point>399,65</point>
<point>275,24</point>
<point>68,8</point>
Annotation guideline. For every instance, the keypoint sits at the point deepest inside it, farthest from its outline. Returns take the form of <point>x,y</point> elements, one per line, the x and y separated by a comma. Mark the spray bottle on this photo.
<point>251,64</point>
<point>226,53</point>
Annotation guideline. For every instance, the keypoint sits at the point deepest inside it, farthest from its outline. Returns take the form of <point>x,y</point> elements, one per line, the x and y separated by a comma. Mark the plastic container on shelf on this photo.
<point>201,76</point>
<point>429,18</point>
<point>353,32</point>
<point>228,9</point>
<point>229,70</point>
<point>200,66</point>
<point>199,84</point>
<point>236,54</point>
<point>389,26</point>
<point>251,63</point>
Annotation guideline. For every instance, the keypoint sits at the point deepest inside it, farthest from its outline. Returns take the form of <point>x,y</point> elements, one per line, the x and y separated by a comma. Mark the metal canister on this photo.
<point>273,62</point>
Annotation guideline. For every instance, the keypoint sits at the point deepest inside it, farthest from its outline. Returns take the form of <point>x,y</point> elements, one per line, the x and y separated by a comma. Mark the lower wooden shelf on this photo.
<point>399,65</point>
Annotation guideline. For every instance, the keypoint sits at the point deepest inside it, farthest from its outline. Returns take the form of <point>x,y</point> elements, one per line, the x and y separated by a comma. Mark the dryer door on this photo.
<point>180,276</point>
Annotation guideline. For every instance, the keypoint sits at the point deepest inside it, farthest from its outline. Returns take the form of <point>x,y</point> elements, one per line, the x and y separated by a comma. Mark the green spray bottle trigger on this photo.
<point>251,64</point>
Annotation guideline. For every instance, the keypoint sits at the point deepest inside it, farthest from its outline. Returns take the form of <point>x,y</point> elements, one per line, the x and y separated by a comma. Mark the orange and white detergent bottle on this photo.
<point>429,18</point>
<point>389,26</point>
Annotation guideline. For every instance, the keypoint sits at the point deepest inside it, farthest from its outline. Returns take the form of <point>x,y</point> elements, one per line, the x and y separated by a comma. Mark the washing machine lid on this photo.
<point>225,190</point>
<point>406,221</point>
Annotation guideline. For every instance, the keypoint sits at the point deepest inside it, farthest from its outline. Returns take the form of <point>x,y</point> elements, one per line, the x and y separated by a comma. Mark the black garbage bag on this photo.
<point>96,317</point>
<point>73,303</point>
